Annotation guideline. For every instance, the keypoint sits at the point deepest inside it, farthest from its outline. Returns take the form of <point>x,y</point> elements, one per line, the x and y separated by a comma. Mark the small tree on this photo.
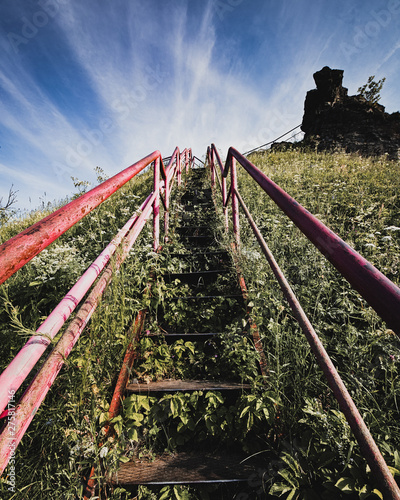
<point>7,210</point>
<point>371,90</point>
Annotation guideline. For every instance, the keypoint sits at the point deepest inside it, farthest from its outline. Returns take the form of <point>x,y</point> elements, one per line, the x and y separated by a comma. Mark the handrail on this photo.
<point>380,293</point>
<point>315,231</point>
<point>20,249</point>
<point>14,375</point>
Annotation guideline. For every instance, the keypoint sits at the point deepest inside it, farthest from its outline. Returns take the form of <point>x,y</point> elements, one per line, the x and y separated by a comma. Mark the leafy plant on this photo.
<point>371,90</point>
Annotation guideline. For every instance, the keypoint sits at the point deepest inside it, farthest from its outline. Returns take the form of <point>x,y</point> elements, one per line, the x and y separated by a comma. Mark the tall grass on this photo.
<point>62,442</point>
<point>295,420</point>
<point>359,200</point>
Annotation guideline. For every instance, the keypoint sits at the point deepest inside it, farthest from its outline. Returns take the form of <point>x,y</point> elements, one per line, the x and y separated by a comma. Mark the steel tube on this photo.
<point>20,249</point>
<point>380,293</point>
<point>223,188</point>
<point>235,206</point>
<point>33,397</point>
<point>357,424</point>
<point>20,367</point>
<point>156,205</point>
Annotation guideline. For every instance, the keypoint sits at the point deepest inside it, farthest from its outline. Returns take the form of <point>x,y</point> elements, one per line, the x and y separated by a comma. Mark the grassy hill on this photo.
<point>309,438</point>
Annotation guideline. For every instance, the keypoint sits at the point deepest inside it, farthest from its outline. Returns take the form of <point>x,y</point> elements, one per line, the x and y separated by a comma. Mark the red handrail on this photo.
<point>315,231</point>
<point>380,293</point>
<point>24,361</point>
<point>20,249</point>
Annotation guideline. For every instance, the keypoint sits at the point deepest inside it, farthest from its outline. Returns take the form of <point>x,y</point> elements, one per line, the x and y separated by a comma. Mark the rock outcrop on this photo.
<point>333,120</point>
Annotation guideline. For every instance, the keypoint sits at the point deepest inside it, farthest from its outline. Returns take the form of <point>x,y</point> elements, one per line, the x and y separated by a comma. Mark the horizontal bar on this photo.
<point>20,249</point>
<point>380,293</point>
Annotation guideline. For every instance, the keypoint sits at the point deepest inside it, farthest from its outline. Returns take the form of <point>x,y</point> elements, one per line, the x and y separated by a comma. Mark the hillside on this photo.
<point>310,442</point>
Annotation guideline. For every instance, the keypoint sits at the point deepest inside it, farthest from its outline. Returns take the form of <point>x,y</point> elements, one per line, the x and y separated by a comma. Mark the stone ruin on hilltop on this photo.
<point>334,120</point>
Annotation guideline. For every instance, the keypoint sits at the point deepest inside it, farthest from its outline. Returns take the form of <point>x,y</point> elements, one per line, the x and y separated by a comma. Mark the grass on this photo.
<point>296,421</point>
<point>357,198</point>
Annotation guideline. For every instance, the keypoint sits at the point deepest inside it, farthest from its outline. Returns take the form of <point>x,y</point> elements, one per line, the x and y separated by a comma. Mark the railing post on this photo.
<point>235,204</point>
<point>156,205</point>
<point>166,213</point>
<point>179,169</point>
<point>224,201</point>
<point>212,166</point>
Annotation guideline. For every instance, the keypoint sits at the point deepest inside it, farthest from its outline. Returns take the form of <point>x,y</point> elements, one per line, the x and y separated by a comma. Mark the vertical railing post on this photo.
<point>166,213</point>
<point>235,204</point>
<point>189,163</point>
<point>224,199</point>
<point>179,169</point>
<point>212,166</point>
<point>156,205</point>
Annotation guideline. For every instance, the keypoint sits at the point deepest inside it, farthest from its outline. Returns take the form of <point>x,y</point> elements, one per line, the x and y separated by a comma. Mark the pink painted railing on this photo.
<point>29,243</point>
<point>377,289</point>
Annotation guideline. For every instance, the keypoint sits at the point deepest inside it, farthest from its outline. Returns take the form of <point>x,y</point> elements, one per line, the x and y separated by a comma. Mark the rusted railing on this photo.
<point>23,247</point>
<point>377,289</point>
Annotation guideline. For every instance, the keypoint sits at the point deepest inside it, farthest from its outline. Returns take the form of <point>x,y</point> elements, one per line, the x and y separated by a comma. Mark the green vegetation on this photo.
<point>371,90</point>
<point>294,422</point>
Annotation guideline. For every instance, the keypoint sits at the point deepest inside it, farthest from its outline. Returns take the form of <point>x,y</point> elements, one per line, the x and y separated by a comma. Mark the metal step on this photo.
<point>194,277</point>
<point>207,297</point>
<point>186,386</point>
<point>192,337</point>
<point>186,468</point>
<point>205,253</point>
<point>198,240</point>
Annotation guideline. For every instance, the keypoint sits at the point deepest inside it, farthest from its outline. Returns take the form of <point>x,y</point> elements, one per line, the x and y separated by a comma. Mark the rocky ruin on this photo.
<point>334,120</point>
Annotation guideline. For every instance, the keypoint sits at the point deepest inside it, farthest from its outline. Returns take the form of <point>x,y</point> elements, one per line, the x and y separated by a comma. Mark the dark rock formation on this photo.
<point>333,120</point>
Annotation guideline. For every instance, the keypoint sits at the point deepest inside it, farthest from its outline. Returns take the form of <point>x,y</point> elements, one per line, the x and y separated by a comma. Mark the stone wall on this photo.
<point>333,120</point>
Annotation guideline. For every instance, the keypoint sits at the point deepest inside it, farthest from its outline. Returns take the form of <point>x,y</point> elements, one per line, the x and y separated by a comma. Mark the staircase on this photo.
<point>201,300</point>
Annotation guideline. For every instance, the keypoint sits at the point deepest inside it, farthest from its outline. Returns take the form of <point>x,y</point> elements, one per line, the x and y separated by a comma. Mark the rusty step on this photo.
<point>192,337</point>
<point>186,468</point>
<point>194,277</point>
<point>205,253</point>
<point>198,240</point>
<point>187,227</point>
<point>208,297</point>
<point>186,386</point>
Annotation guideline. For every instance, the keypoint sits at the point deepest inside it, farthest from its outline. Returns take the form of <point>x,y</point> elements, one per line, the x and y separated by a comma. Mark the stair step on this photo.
<point>192,337</point>
<point>186,385</point>
<point>186,468</point>
<point>194,277</point>
<point>207,297</point>
<point>205,253</point>
<point>188,227</point>
<point>198,239</point>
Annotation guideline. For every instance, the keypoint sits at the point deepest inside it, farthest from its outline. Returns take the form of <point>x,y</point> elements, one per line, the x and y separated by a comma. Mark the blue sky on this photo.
<point>100,83</point>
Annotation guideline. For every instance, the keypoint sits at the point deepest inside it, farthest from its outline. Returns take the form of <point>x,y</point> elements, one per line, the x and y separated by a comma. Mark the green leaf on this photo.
<point>280,488</point>
<point>377,493</point>
<point>165,494</point>
<point>394,471</point>
<point>397,459</point>
<point>244,411</point>
<point>345,484</point>
<point>291,494</point>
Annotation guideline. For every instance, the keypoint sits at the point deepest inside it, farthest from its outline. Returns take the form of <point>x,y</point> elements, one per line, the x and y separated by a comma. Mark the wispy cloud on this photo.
<point>106,83</point>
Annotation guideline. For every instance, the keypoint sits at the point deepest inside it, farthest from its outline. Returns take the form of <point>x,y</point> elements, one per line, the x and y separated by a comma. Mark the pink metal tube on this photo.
<point>19,368</point>
<point>156,205</point>
<point>224,195</point>
<point>20,249</point>
<point>235,205</point>
<point>357,424</point>
<point>375,287</point>
<point>33,397</point>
